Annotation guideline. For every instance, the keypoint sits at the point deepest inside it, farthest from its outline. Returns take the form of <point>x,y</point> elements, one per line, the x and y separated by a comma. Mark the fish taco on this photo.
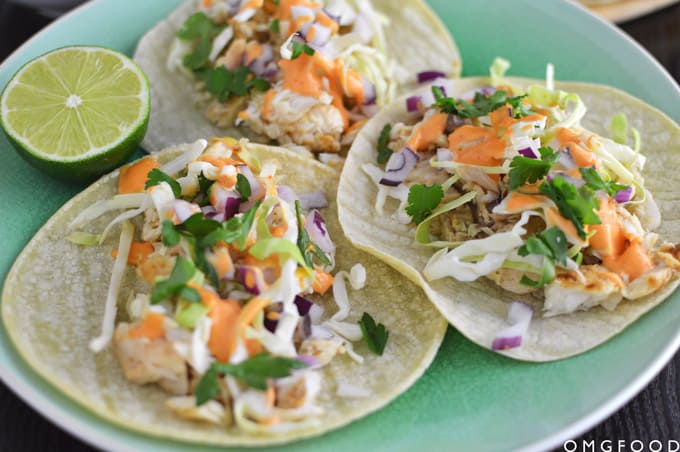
<point>207,294</point>
<point>305,74</point>
<point>532,231</point>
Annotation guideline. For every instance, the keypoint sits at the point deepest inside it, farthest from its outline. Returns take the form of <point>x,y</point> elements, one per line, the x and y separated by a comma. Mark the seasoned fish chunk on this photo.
<point>569,293</point>
<point>150,360</point>
<point>293,119</point>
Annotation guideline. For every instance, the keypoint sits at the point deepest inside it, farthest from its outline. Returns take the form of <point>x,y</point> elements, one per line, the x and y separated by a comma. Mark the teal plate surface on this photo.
<point>471,398</point>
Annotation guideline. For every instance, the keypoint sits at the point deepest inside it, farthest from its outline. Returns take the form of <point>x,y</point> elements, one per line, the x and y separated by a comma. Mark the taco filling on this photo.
<point>296,71</point>
<point>228,264</point>
<point>507,184</point>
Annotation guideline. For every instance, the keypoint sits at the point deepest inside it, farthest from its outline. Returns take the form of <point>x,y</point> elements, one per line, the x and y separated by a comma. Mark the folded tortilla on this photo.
<point>53,303</point>
<point>417,41</point>
<point>479,309</point>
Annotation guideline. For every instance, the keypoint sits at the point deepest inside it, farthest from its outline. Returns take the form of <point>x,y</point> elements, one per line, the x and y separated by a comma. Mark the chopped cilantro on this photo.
<point>204,183</point>
<point>198,27</point>
<point>254,372</point>
<point>384,151</point>
<point>527,170</point>
<point>236,229</point>
<point>175,284</point>
<point>481,105</point>
<point>198,225</point>
<point>551,243</point>
<point>577,206</point>
<point>299,49</point>
<point>374,335</point>
<point>169,234</point>
<point>224,83</point>
<point>594,181</point>
<point>309,249</point>
<point>243,187</point>
<point>422,199</point>
<point>274,25</point>
<point>157,176</point>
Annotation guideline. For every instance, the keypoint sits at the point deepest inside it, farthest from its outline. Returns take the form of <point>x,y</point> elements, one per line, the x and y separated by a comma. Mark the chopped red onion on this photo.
<point>504,343</point>
<point>412,103</point>
<point>444,155</point>
<point>222,197</point>
<point>304,328</point>
<point>529,152</point>
<point>399,166</point>
<point>208,210</point>
<point>321,35</point>
<point>303,305</point>
<point>313,200</point>
<point>302,11</point>
<point>316,228</point>
<point>252,279</point>
<point>625,195</point>
<point>486,90</point>
<point>369,91</point>
<point>331,15</point>
<point>183,209</point>
<point>270,324</point>
<point>362,27</point>
<point>519,318</point>
<point>315,313</point>
<point>566,160</point>
<point>260,64</point>
<point>231,207</point>
<point>369,110</point>
<point>309,360</point>
<point>286,193</point>
<point>427,76</point>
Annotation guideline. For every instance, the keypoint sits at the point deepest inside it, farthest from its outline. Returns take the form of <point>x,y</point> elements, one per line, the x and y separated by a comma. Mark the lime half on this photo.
<point>76,112</point>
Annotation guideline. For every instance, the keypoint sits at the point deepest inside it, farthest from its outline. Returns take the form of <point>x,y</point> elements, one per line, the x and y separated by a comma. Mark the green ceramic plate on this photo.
<point>471,399</point>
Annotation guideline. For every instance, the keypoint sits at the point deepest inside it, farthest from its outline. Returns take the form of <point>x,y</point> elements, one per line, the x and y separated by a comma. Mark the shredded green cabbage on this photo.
<point>423,229</point>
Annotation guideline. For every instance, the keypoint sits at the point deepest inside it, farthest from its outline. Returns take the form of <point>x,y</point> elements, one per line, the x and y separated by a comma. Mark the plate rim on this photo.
<point>41,401</point>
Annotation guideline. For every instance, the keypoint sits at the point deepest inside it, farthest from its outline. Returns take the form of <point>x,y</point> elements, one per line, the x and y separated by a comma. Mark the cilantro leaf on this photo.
<point>224,83</point>
<point>236,229</point>
<point>527,170</point>
<point>198,225</point>
<point>175,284</point>
<point>157,176</point>
<point>551,243</point>
<point>274,25</point>
<point>374,335</point>
<point>254,372</point>
<point>577,206</point>
<point>207,388</point>
<point>169,234</point>
<point>243,187</point>
<point>300,48</point>
<point>204,184</point>
<point>422,199</point>
<point>203,196</point>
<point>481,105</point>
<point>384,151</point>
<point>308,248</point>
<point>198,27</point>
<point>594,181</point>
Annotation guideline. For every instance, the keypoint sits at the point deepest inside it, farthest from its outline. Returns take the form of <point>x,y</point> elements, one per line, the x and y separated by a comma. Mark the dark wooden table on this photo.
<point>654,414</point>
